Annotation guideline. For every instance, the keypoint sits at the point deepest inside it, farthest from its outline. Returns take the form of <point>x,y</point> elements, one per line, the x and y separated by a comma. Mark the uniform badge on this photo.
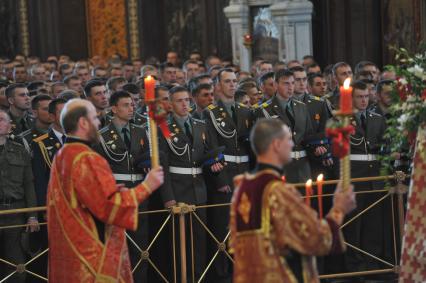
<point>113,146</point>
<point>223,114</point>
<point>175,139</point>
<point>222,124</point>
<point>58,145</point>
<point>317,116</point>
<point>177,130</point>
<point>203,136</point>
<point>142,142</point>
<point>114,136</point>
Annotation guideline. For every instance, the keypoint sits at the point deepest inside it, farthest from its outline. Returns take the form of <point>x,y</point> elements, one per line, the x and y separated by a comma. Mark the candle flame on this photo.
<point>148,78</point>
<point>320,177</point>
<point>309,183</point>
<point>347,83</point>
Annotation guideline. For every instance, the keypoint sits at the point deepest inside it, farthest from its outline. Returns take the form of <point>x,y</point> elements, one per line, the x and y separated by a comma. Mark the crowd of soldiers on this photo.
<point>211,105</point>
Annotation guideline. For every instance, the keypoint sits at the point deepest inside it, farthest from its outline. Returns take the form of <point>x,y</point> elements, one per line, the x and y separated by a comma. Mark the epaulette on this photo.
<point>136,125</point>
<point>42,137</point>
<point>374,114</point>
<point>198,120</point>
<point>242,105</point>
<point>297,101</point>
<point>266,104</point>
<point>257,105</point>
<point>316,98</point>
<point>191,109</point>
<point>103,130</point>
<point>211,106</point>
<point>23,134</point>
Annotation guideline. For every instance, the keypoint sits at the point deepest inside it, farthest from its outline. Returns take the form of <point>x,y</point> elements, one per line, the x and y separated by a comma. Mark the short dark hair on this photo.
<point>131,88</point>
<point>264,132</point>
<point>10,90</point>
<point>239,94</point>
<point>297,69</point>
<point>116,96</point>
<point>383,83</point>
<point>91,84</point>
<point>360,66</point>
<point>165,65</point>
<point>54,104</point>
<point>160,87</point>
<point>69,120</point>
<point>114,81</point>
<point>187,62</point>
<point>312,77</point>
<point>177,89</point>
<point>338,65</point>
<point>359,85</point>
<point>283,73</point>
<point>34,86</point>
<point>69,94</point>
<point>223,70</point>
<point>69,78</point>
<point>263,78</point>
<point>35,102</point>
<point>200,87</point>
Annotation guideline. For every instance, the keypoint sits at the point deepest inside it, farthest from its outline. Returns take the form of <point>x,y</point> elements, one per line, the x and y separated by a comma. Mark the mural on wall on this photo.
<point>106,24</point>
<point>8,28</point>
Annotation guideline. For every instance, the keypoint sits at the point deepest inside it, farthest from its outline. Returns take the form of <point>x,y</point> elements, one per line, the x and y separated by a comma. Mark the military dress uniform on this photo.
<point>296,117</point>
<point>27,137</point>
<point>189,170</point>
<point>16,191</point>
<point>20,125</point>
<point>229,128</point>
<point>333,98</point>
<point>367,231</point>
<point>120,148</point>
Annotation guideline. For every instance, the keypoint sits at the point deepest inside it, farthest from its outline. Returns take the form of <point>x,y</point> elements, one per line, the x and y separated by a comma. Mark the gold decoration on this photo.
<point>244,208</point>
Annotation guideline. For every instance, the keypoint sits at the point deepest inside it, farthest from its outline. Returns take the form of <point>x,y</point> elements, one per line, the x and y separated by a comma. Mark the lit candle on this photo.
<point>346,97</point>
<point>308,192</point>
<point>149,88</point>
<point>320,179</point>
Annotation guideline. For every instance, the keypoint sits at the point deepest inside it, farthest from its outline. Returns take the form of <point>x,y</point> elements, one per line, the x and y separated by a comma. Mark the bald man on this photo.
<point>87,212</point>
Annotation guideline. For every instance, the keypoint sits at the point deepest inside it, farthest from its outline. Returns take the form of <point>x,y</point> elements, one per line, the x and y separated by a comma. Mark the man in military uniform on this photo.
<point>275,236</point>
<point>19,100</point>
<point>16,191</point>
<point>188,145</point>
<point>366,232</point>
<point>267,85</point>
<point>295,115</point>
<point>341,71</point>
<point>96,92</point>
<point>231,123</point>
<point>202,95</point>
<point>40,107</point>
<point>135,91</point>
<point>120,142</point>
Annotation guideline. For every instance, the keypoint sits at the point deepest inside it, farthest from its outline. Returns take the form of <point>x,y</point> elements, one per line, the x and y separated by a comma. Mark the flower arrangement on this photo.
<point>408,110</point>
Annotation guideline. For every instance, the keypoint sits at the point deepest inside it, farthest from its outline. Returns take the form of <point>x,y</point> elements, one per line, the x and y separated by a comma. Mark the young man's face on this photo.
<point>180,103</point>
<point>360,99</point>
<point>228,84</point>
<point>285,87</point>
<point>300,82</point>
<point>318,87</point>
<point>125,109</point>
<point>98,96</point>
<point>20,99</point>
<point>204,98</point>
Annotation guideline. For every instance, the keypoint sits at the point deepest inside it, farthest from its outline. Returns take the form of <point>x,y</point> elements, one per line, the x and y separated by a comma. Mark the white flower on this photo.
<point>403,81</point>
<point>417,71</point>
<point>402,120</point>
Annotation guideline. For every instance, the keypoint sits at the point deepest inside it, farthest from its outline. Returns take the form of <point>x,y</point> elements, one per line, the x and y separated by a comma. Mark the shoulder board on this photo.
<point>257,105</point>
<point>41,138</point>
<point>16,144</point>
<point>104,129</point>
<point>374,113</point>
<point>243,105</point>
<point>136,125</point>
<point>211,106</point>
<point>297,101</point>
<point>316,98</point>
<point>328,95</point>
<point>198,120</point>
<point>23,134</point>
<point>266,104</point>
<point>191,109</point>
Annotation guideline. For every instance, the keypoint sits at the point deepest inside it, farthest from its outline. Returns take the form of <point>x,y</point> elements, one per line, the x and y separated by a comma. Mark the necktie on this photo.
<point>363,122</point>
<point>188,130</point>
<point>234,114</point>
<point>126,137</point>
<point>63,139</point>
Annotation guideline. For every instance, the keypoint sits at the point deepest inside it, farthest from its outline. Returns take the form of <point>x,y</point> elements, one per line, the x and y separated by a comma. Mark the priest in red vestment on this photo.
<point>87,212</point>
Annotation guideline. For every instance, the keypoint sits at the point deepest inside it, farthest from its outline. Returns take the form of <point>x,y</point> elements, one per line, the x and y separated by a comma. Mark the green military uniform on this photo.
<point>20,125</point>
<point>16,191</point>
<point>121,159</point>
<point>367,232</point>
<point>230,128</point>
<point>296,117</point>
<point>333,99</point>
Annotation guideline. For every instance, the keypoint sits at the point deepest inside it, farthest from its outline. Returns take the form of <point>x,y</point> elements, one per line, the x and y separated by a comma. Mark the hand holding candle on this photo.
<point>308,192</point>
<point>320,180</point>
<point>346,97</point>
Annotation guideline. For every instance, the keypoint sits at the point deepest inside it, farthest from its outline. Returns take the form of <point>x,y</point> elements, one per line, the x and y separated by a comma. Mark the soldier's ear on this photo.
<point>10,100</point>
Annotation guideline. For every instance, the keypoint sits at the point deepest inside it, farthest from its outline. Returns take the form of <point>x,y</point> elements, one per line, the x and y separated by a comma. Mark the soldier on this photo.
<point>202,95</point>
<point>191,69</point>
<point>250,88</point>
<point>135,91</point>
<point>96,92</point>
<point>20,74</point>
<point>74,82</point>
<point>340,72</point>
<point>187,147</point>
<point>295,115</point>
<point>319,113</point>
<point>20,103</point>
<point>231,123</point>
<point>120,142</point>
<point>366,232</point>
<point>16,191</point>
<point>267,85</point>
<point>317,85</point>
<point>40,107</point>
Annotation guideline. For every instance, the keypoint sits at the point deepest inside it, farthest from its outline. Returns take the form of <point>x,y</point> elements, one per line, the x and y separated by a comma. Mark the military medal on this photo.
<point>203,136</point>
<point>113,146</point>
<point>177,130</point>
<point>317,116</point>
<point>222,124</point>
<point>175,139</point>
<point>142,142</point>
<point>114,136</point>
<point>57,145</point>
<point>223,114</point>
